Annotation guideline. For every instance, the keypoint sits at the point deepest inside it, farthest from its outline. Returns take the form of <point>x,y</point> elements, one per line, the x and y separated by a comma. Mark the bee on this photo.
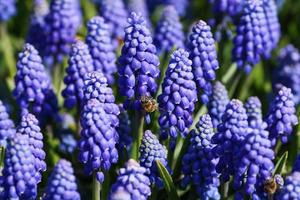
<point>149,104</point>
<point>273,184</point>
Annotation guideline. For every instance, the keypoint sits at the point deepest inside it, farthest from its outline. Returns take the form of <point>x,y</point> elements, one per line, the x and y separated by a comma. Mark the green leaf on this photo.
<point>281,164</point>
<point>168,182</point>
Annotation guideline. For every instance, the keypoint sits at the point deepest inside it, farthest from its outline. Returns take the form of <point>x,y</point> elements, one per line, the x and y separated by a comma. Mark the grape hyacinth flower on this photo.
<point>62,183</point>
<point>229,136</point>
<point>291,188</point>
<point>296,166</point>
<point>287,72</point>
<point>180,5</point>
<point>201,45</point>
<point>18,175</point>
<point>98,139</point>
<point>138,63</point>
<point>252,36</point>
<point>36,33</point>
<point>169,33</point>
<point>29,126</point>
<point>79,64</point>
<point>227,7</point>
<point>124,129</point>
<point>253,109</point>
<point>7,127</point>
<point>151,151</point>
<point>131,183</point>
<point>115,15</point>
<point>62,22</point>
<point>282,116</point>
<point>255,159</point>
<point>66,134</point>
<point>101,49</point>
<point>273,25</point>
<point>178,98</point>
<point>7,9</point>
<point>217,102</point>
<point>68,143</point>
<point>33,90</point>
<point>199,162</point>
<point>96,87</point>
<point>139,6</point>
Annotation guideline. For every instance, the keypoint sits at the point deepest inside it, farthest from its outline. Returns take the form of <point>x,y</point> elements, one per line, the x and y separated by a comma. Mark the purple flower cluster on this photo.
<point>79,64</point>
<point>180,5</point>
<point>255,159</point>
<point>140,6</point>
<point>36,34</point>
<point>7,127</point>
<point>178,98</point>
<point>62,183</point>
<point>115,15</point>
<point>101,49</point>
<point>169,33</point>
<point>273,26</point>
<point>29,126</point>
<point>253,109</point>
<point>217,102</point>
<point>138,63</point>
<point>228,139</point>
<point>287,72</point>
<point>65,134</point>
<point>132,183</point>
<point>291,188</point>
<point>98,139</point>
<point>33,90</point>
<point>96,87</point>
<point>227,7</point>
<point>203,53</point>
<point>252,37</point>
<point>18,175</point>
<point>199,162</point>
<point>7,9</point>
<point>61,25</point>
<point>151,151</point>
<point>282,116</point>
<point>68,143</point>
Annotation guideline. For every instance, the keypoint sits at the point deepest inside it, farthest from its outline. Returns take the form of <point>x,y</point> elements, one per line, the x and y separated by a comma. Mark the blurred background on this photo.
<point>13,34</point>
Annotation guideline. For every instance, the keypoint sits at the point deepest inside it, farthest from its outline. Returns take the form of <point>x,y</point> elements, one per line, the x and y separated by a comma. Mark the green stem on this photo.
<point>6,49</point>
<point>229,73</point>
<point>177,168</point>
<point>138,134</point>
<point>243,92</point>
<point>224,190</point>
<point>235,83</point>
<point>56,77</point>
<point>105,186</point>
<point>2,154</point>
<point>177,151</point>
<point>278,146</point>
<point>154,193</point>
<point>96,188</point>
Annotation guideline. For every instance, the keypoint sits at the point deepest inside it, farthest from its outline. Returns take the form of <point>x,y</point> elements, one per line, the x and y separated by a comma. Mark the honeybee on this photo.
<point>149,104</point>
<point>270,186</point>
<point>273,184</point>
